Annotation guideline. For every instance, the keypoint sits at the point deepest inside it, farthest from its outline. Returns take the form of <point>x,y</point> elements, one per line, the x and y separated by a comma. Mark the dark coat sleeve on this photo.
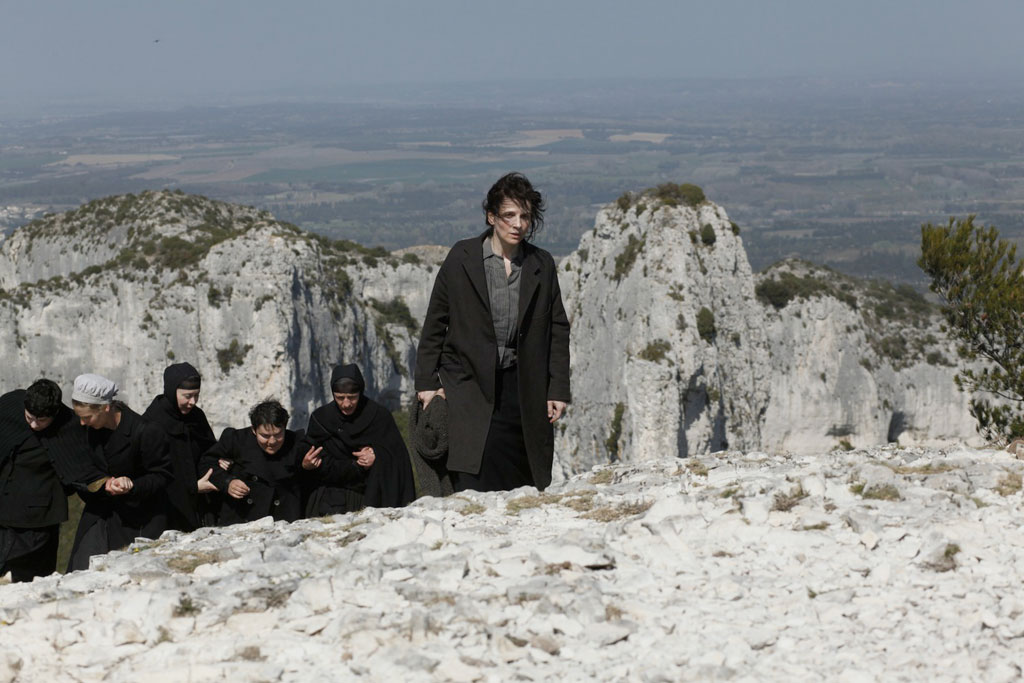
<point>155,460</point>
<point>558,359</point>
<point>224,449</point>
<point>432,336</point>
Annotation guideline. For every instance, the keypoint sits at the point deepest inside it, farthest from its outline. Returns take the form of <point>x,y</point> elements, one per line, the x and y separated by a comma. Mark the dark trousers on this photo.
<point>28,553</point>
<point>505,465</point>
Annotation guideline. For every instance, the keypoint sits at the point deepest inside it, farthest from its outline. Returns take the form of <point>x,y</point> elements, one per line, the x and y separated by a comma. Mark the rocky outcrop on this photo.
<point>678,349</point>
<point>744,566</point>
<point>123,286</point>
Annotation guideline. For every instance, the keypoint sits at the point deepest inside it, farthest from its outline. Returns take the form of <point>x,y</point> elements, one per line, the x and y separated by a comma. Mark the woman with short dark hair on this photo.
<point>495,345</point>
<point>43,459</point>
<point>263,465</point>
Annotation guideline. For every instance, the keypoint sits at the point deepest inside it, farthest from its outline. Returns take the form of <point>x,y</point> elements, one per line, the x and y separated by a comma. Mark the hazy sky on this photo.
<point>51,49</point>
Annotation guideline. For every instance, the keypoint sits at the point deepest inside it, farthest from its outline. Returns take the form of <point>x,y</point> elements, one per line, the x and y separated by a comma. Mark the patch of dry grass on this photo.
<point>187,562</point>
<point>517,505</point>
<point>602,477</point>
<point>1009,485</point>
<point>580,501</point>
<point>784,502</point>
<point>930,468</point>
<point>613,513</point>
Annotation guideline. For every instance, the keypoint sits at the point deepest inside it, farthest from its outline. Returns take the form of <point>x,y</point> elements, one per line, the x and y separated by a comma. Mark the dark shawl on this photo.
<point>64,441</point>
<point>189,436</point>
<point>272,479</point>
<point>387,483</point>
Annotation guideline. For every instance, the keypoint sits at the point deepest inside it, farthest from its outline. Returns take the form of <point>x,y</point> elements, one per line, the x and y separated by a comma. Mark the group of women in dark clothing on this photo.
<point>492,375</point>
<point>139,475</point>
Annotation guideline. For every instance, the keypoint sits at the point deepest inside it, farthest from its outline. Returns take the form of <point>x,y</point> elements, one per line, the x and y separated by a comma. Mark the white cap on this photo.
<point>96,389</point>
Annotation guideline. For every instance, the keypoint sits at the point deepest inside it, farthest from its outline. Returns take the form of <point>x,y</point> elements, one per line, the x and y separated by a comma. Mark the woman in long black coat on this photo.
<point>133,451</point>
<point>189,436</point>
<point>495,345</point>
<point>364,462</point>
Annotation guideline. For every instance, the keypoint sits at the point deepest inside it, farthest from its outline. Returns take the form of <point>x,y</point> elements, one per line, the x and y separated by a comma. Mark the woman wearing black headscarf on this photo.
<point>364,462</point>
<point>189,436</point>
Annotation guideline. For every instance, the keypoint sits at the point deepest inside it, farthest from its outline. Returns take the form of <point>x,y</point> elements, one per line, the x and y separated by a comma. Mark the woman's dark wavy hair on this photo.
<point>270,413</point>
<point>43,398</point>
<point>516,187</point>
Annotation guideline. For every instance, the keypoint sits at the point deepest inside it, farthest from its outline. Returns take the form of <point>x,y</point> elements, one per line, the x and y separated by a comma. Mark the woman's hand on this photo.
<point>237,489</point>
<point>118,486</point>
<point>365,456</point>
<point>425,397</point>
<point>204,485</point>
<point>555,410</point>
<point>312,459</point>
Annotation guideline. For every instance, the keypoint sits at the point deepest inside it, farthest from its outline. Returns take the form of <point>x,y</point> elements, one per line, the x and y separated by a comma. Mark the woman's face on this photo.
<point>187,400</point>
<point>346,402</point>
<point>269,438</point>
<point>94,417</point>
<point>511,223</point>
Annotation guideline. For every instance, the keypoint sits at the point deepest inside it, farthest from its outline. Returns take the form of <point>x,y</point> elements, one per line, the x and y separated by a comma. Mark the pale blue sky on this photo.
<point>105,49</point>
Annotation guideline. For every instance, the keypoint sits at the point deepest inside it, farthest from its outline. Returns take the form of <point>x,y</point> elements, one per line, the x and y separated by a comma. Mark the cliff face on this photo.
<point>677,348</point>
<point>126,285</point>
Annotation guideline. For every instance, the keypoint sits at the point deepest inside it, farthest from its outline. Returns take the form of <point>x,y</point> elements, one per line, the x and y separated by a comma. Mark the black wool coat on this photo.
<point>273,480</point>
<point>34,496</point>
<point>136,448</point>
<point>458,351</point>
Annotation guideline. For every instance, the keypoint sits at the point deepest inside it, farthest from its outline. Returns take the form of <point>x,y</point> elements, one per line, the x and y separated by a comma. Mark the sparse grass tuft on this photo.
<point>471,507</point>
<point>886,492</point>
<point>602,477</point>
<point>187,562</point>
<point>729,492</point>
<point>1009,485</point>
<point>820,526</point>
<point>613,513</point>
<point>930,468</point>
<point>517,505</point>
<point>580,501</point>
<point>785,502</point>
<point>185,607</point>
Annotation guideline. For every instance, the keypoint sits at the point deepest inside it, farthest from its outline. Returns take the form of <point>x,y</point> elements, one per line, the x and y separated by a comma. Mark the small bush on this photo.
<point>706,324</point>
<point>395,312</point>
<point>707,234</point>
<point>615,432</point>
<point>655,351</point>
<point>624,261</point>
<point>233,356</point>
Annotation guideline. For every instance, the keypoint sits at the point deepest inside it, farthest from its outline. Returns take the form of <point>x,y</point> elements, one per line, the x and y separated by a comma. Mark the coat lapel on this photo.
<point>531,281</point>
<point>473,263</point>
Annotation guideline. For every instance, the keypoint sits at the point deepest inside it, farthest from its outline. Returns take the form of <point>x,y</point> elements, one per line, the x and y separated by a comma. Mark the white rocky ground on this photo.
<point>733,566</point>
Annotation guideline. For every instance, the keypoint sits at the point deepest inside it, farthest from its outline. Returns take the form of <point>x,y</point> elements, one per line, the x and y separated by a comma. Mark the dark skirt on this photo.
<point>504,465</point>
<point>28,553</point>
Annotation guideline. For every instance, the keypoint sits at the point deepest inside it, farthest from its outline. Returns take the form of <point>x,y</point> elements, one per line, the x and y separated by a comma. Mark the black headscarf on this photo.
<point>64,440</point>
<point>174,375</point>
<point>350,371</point>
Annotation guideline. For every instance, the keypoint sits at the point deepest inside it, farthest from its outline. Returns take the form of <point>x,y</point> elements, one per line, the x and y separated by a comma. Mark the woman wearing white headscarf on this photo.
<point>134,452</point>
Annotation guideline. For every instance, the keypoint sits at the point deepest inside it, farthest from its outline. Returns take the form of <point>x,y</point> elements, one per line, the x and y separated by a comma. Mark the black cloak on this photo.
<point>64,441</point>
<point>189,436</point>
<point>272,479</point>
<point>339,484</point>
<point>136,448</point>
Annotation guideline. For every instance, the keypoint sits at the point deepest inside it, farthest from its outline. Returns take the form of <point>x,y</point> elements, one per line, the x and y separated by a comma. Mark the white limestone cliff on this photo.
<point>124,285</point>
<point>838,362</point>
